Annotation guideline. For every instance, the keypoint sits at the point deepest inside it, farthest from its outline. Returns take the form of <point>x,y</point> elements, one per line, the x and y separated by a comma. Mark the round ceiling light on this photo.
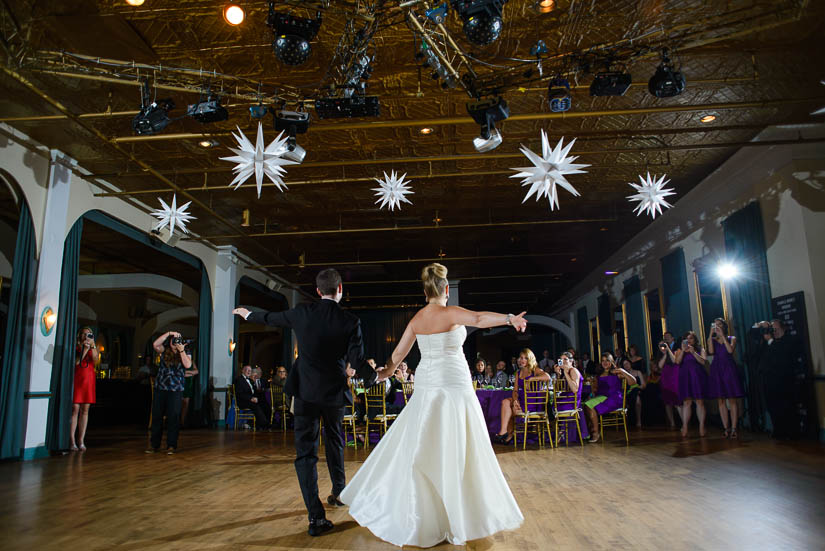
<point>483,29</point>
<point>545,6</point>
<point>233,14</point>
<point>291,49</point>
<point>426,130</point>
<point>708,118</point>
<point>135,2</point>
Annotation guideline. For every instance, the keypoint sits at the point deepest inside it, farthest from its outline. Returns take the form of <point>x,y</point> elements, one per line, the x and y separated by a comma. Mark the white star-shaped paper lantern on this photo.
<point>651,195</point>
<point>172,216</point>
<point>259,160</point>
<point>393,191</point>
<point>821,110</point>
<point>548,171</point>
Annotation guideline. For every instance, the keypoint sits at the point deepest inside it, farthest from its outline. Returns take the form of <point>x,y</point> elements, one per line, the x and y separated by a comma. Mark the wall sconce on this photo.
<point>232,345</point>
<point>47,320</point>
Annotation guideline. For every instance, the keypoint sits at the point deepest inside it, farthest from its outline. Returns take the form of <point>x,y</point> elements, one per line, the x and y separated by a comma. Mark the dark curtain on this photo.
<point>605,323</point>
<point>382,329</point>
<point>750,295</point>
<point>582,334</point>
<point>17,348</point>
<point>60,404</point>
<point>635,313</point>
<point>201,382</point>
<point>676,294</point>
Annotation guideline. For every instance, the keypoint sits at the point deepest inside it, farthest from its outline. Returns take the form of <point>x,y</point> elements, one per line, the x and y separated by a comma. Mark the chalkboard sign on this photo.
<point>791,310</point>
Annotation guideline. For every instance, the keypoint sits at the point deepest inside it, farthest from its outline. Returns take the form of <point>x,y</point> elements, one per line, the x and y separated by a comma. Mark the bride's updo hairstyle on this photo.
<point>434,278</point>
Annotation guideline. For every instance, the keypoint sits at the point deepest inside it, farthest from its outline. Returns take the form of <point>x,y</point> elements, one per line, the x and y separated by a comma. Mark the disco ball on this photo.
<point>291,49</point>
<point>482,29</point>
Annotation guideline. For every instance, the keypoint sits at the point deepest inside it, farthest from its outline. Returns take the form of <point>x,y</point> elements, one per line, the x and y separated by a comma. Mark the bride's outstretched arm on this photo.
<point>401,350</point>
<point>483,320</point>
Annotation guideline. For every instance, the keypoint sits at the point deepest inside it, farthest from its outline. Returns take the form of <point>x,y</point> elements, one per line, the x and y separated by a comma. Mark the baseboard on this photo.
<point>37,452</point>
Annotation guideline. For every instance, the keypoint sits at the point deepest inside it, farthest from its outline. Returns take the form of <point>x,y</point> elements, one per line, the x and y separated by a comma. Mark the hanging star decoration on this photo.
<point>548,171</point>
<point>821,110</point>
<point>392,191</point>
<point>651,195</point>
<point>172,216</point>
<point>259,160</point>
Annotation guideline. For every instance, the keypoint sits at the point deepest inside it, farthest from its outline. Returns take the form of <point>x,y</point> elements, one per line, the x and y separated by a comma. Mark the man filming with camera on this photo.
<point>175,366</point>
<point>778,357</point>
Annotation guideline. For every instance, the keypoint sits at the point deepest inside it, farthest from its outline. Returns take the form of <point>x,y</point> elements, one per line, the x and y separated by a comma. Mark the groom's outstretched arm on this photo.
<point>276,319</point>
<point>357,359</point>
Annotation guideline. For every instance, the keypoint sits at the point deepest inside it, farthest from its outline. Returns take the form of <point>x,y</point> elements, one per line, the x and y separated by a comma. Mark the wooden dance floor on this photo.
<point>233,491</point>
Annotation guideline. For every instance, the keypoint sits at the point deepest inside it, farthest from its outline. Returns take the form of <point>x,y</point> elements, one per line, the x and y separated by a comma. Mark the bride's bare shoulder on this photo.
<point>432,319</point>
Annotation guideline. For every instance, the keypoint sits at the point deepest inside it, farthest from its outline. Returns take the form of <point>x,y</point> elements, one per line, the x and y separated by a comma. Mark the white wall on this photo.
<point>788,181</point>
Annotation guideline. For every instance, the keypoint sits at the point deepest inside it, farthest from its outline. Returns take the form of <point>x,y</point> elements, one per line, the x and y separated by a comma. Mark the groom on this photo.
<point>328,338</point>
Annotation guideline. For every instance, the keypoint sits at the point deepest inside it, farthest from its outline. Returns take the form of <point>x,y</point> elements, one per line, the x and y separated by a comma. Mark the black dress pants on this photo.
<point>307,416</point>
<point>260,409</point>
<point>168,403</point>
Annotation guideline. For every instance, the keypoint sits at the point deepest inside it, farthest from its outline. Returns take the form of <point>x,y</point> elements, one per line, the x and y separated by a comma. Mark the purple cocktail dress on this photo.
<point>693,379</point>
<point>611,387</point>
<point>572,434</point>
<point>724,377</point>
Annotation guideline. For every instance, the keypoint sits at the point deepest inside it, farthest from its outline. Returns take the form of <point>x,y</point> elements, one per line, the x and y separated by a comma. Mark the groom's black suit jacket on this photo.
<point>328,338</point>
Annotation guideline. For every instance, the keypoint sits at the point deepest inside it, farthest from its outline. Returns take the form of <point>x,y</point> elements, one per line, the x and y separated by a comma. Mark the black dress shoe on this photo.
<point>319,526</point>
<point>335,502</point>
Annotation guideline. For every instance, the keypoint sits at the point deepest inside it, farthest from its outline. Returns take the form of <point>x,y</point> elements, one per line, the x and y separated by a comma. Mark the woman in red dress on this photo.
<point>84,385</point>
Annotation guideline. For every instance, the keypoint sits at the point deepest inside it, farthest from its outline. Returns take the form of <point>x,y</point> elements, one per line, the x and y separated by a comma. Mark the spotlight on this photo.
<point>482,19</point>
<point>486,113</point>
<point>292,122</point>
<point>558,93</point>
<point>666,82</point>
<point>426,130</point>
<point>292,35</point>
<point>135,2</point>
<point>208,111</point>
<point>611,83</point>
<point>154,114</point>
<point>726,271</point>
<point>233,14</point>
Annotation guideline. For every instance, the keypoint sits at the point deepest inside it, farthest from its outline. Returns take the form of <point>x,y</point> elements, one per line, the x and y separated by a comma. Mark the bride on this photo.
<point>434,476</point>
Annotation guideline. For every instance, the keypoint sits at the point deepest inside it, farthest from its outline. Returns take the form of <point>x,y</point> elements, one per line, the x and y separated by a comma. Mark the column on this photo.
<point>223,325</point>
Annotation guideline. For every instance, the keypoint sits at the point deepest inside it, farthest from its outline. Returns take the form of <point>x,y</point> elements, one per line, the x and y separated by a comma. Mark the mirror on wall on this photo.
<point>708,297</point>
<point>654,320</point>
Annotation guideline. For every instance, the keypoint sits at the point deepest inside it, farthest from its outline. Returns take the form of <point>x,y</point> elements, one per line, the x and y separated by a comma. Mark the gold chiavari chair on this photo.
<point>240,414</point>
<point>349,418</point>
<point>375,401</point>
<point>408,388</point>
<point>566,409</point>
<point>617,417</point>
<point>534,411</point>
<point>279,403</point>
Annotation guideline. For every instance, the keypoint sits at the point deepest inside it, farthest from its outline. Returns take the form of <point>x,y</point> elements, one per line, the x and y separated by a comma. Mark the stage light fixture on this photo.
<point>666,82</point>
<point>482,19</point>
<point>208,111</point>
<point>610,83</point>
<point>293,123</point>
<point>258,111</point>
<point>154,114</point>
<point>233,14</point>
<point>487,113</point>
<point>292,35</point>
<point>558,94</point>
<point>727,271</point>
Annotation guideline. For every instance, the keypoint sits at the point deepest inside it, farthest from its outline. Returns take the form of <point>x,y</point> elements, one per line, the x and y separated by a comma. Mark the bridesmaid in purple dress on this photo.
<point>574,382</point>
<point>608,393</point>
<point>510,407</point>
<point>693,381</point>
<point>670,379</point>
<point>724,379</point>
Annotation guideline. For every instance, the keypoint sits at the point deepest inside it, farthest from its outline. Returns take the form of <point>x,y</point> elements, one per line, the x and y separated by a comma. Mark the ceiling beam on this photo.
<point>459,278</point>
<point>444,258</point>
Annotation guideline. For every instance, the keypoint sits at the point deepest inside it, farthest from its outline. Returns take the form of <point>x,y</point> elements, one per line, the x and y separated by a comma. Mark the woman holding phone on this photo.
<point>724,384</point>
<point>83,395</point>
<point>693,381</point>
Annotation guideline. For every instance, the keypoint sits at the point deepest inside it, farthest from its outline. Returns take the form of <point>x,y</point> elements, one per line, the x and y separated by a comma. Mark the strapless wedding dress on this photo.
<point>434,475</point>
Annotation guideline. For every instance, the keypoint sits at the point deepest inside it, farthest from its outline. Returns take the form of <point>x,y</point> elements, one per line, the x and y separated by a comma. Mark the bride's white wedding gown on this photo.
<point>434,475</point>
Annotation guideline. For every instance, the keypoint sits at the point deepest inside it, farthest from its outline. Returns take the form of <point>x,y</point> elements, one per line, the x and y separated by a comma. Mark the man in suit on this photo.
<point>328,338</point>
<point>547,364</point>
<point>247,399</point>
<point>260,387</point>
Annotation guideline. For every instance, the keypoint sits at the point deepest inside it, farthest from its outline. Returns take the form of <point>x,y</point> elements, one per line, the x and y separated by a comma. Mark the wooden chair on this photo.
<point>279,404</point>
<point>536,397</point>
<point>349,419</point>
<point>566,409</point>
<point>617,417</point>
<point>408,388</point>
<point>375,401</point>
<point>240,414</point>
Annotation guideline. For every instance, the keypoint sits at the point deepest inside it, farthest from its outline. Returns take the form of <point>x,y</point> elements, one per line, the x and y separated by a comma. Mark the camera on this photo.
<point>663,345</point>
<point>685,342</point>
<point>766,330</point>
<point>560,363</point>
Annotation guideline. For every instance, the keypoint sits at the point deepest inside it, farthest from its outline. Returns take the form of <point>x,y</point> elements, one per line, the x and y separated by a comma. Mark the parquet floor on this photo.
<point>237,491</point>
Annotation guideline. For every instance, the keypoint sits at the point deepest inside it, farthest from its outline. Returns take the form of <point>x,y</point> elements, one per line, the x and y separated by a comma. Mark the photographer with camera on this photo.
<point>778,358</point>
<point>175,367</point>
<point>83,395</point>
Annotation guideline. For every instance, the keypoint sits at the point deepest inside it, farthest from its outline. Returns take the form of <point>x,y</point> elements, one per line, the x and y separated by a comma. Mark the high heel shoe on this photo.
<point>725,433</point>
<point>73,448</point>
<point>82,448</point>
<point>734,435</point>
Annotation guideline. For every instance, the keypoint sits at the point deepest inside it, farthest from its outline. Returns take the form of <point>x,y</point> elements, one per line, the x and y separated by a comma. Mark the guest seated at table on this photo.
<point>391,386</point>
<point>585,366</point>
<point>634,393</point>
<point>510,407</point>
<point>546,364</point>
<point>406,374</point>
<point>575,384</point>
<point>245,394</point>
<point>500,379</point>
<point>607,391</point>
<point>278,382</point>
<point>478,373</point>
<point>489,374</point>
